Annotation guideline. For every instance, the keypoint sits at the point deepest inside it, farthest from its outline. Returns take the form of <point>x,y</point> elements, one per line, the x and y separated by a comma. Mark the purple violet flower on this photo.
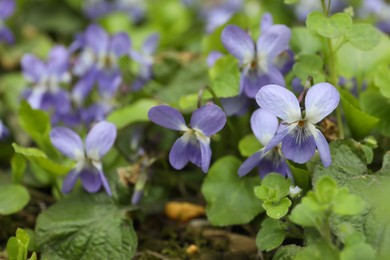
<point>145,60</point>
<point>297,132</point>
<point>4,132</point>
<point>46,79</point>
<point>256,60</point>
<point>89,167</point>
<point>7,8</point>
<point>194,145</point>
<point>380,9</point>
<point>99,62</point>
<point>264,125</point>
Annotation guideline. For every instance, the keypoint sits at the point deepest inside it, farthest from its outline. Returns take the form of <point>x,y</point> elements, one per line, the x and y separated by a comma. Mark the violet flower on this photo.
<point>7,8</point>
<point>4,132</point>
<point>380,9</point>
<point>256,59</point>
<point>264,125</point>
<point>145,60</point>
<point>99,62</point>
<point>194,145</point>
<point>297,132</point>
<point>46,79</point>
<point>89,166</point>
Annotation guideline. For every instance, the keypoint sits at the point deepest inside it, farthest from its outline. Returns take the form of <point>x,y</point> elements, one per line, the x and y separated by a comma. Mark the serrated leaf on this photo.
<point>226,194</point>
<point>136,112</point>
<point>330,27</point>
<point>271,234</point>
<point>249,145</point>
<point>277,210</point>
<point>359,122</point>
<point>363,36</point>
<point>42,160</point>
<point>13,197</point>
<point>85,226</point>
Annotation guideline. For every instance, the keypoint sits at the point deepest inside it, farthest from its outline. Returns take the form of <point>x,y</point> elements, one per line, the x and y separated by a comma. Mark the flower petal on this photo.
<point>167,117</point>
<point>205,152</point>
<point>264,125</point>
<point>299,145</point>
<point>150,44</point>
<point>120,44</point>
<point>283,130</point>
<point>178,156</point>
<point>100,140</point>
<point>90,179</point>
<point>238,43</point>
<point>36,97</point>
<point>33,68</point>
<point>106,186</point>
<point>84,86</point>
<point>7,8</point>
<point>274,162</point>
<point>280,102</point>
<point>69,181</point>
<point>320,101</point>
<point>322,146</point>
<point>273,41</point>
<point>213,57</point>
<point>209,119</point>
<point>109,82</point>
<point>237,105</point>
<point>6,35</point>
<point>67,142</point>
<point>250,163</point>
<point>97,38</point>
<point>266,22</point>
<point>58,61</point>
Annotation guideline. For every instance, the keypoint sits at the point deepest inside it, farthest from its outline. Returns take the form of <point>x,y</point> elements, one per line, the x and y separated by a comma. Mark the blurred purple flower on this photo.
<point>380,9</point>
<point>98,62</point>
<point>145,60</point>
<point>305,7</point>
<point>46,77</point>
<point>89,167</point>
<point>7,8</point>
<point>4,132</point>
<point>264,125</point>
<point>194,145</point>
<point>96,9</point>
<point>256,60</point>
<point>297,132</point>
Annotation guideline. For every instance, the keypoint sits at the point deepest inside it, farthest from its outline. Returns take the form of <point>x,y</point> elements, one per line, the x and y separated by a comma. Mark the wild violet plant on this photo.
<point>320,151</point>
<point>7,8</point>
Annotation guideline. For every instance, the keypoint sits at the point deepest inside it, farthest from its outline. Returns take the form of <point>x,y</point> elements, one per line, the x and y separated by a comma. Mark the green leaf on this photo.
<point>290,1</point>
<point>317,251</point>
<point>277,210</point>
<point>308,213</point>
<point>287,252</point>
<point>325,189</point>
<point>226,194</point>
<point>309,65</point>
<point>17,246</point>
<point>277,187</point>
<point>271,234</point>
<point>375,104</point>
<point>36,123</point>
<point>85,226</point>
<point>39,157</point>
<point>18,166</point>
<point>249,145</point>
<point>363,36</point>
<point>329,27</point>
<point>359,122</point>
<point>224,78</point>
<point>13,197</point>
<point>136,112</point>
<point>382,80</point>
<point>347,204</point>
<point>304,41</point>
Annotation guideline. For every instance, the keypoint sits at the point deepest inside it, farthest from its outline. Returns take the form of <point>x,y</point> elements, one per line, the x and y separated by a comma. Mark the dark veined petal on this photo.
<point>209,119</point>
<point>67,142</point>
<point>279,101</point>
<point>238,43</point>
<point>274,162</point>
<point>90,179</point>
<point>264,125</point>
<point>320,101</point>
<point>100,140</point>
<point>69,181</point>
<point>322,145</point>
<point>273,41</point>
<point>167,117</point>
<point>250,163</point>
<point>299,144</point>
<point>178,156</point>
